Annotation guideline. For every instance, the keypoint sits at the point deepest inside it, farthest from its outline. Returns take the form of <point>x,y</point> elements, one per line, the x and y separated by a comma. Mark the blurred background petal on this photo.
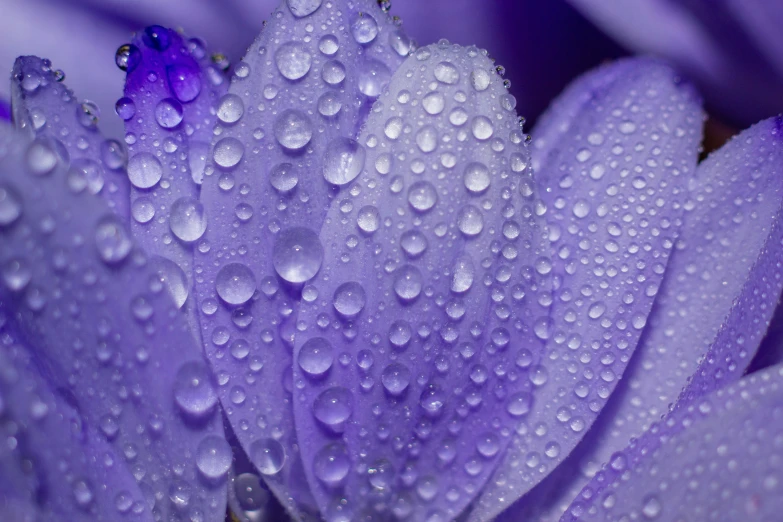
<point>550,41</point>
<point>733,49</point>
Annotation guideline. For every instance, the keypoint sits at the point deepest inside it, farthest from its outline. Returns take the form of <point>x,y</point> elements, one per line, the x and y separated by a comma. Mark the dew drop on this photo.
<point>10,206</point>
<point>268,455</point>
<point>235,283</point>
<point>373,76</point>
<point>349,299</point>
<point>293,129</point>
<point>331,464</point>
<point>213,457</point>
<point>144,170</point>
<point>168,113</point>
<point>364,28</point>
<point>228,152</point>
<point>395,379</point>
<point>293,61</point>
<point>284,177</point>
<point>193,390</point>
<point>302,8</point>
<point>422,196</point>
<point>297,254</point>
<point>368,219</point>
<point>230,108</point>
<point>185,81</point>
<point>187,219</point>
<point>407,282</point>
<point>316,357</point>
<point>343,161</point>
<point>333,407</point>
<point>112,240</point>
<point>446,72</point>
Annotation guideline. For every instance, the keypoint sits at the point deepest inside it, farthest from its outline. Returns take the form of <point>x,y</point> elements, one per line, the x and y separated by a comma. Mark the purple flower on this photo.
<point>405,307</point>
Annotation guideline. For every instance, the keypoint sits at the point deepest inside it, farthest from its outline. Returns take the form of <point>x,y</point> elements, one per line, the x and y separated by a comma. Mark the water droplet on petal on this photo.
<point>332,464</point>
<point>316,356</point>
<point>112,240</point>
<point>301,8</point>
<point>230,108</point>
<point>333,407</point>
<point>422,196</point>
<point>297,254</point>
<point>187,219</point>
<point>10,206</point>
<point>407,282</point>
<point>168,113</point>
<point>292,60</point>
<point>293,129</point>
<point>349,299</point>
<point>144,170</point>
<point>476,177</point>
<point>343,161</point>
<point>396,378</point>
<point>228,152</point>
<point>193,390</point>
<point>235,283</point>
<point>268,455</point>
<point>213,457</point>
<point>447,73</point>
<point>364,28</point>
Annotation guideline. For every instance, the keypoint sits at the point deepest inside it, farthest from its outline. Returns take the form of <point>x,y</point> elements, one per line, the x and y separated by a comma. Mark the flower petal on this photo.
<point>33,415</point>
<point>46,108</point>
<point>408,337</point>
<point>613,185</point>
<point>719,458</point>
<point>295,103</point>
<point>716,311</point>
<point>170,93</point>
<point>96,316</point>
<point>732,48</point>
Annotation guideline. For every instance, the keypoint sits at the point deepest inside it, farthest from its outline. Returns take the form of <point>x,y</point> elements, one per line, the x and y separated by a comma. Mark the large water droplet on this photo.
<point>462,275</point>
<point>476,177</point>
<point>333,408</point>
<point>187,220</point>
<point>228,152</point>
<point>144,170</point>
<point>10,206</point>
<point>364,28</point>
<point>332,464</point>
<point>300,8</point>
<point>173,278</point>
<point>292,60</point>
<point>343,161</point>
<point>168,113</point>
<point>395,378</point>
<point>349,299</point>
<point>193,390</point>
<point>316,356</point>
<point>422,196</point>
<point>235,283</point>
<point>407,282</point>
<point>297,254</point>
<point>185,81</point>
<point>268,455</point>
<point>447,73</point>
<point>284,177</point>
<point>230,108</point>
<point>470,221</point>
<point>213,457</point>
<point>373,77</point>
<point>293,129</point>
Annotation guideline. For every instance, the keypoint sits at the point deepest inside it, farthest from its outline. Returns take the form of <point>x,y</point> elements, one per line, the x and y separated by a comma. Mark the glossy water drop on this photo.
<point>447,73</point>
<point>651,507</point>
<point>407,282</point>
<point>333,407</point>
<point>470,221</point>
<point>297,254</point>
<point>187,219</point>
<point>482,128</point>
<point>434,103</point>
<point>284,177</point>
<point>168,113</point>
<point>127,57</point>
<point>343,161</point>
<point>268,455</point>
<point>316,357</point>
<point>87,114</point>
<point>213,457</point>
<point>144,170</point>
<point>293,61</point>
<point>427,138</point>
<point>235,283</point>
<point>112,240</point>
<point>368,219</point>
<point>364,28</point>
<point>185,82</point>
<point>301,8</point>
<point>329,104</point>
<point>333,72</point>
<point>476,177</point>
<point>16,274</point>
<point>293,129</point>
<point>462,275</point>
<point>125,108</point>
<point>329,45</point>
<point>413,243</point>
<point>480,79</point>
<point>519,404</point>
<point>228,152</point>
<point>173,278</point>
<point>230,108</point>
<point>422,196</point>
<point>41,158</point>
<point>373,76</point>
<point>10,206</point>
<point>349,299</point>
<point>142,210</point>
<point>331,464</point>
<point>395,378</point>
<point>193,390</point>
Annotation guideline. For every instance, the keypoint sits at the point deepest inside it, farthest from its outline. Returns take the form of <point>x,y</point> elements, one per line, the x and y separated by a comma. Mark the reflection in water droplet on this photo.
<point>293,129</point>
<point>187,219</point>
<point>349,299</point>
<point>268,455</point>
<point>343,161</point>
<point>332,464</point>
<point>235,283</point>
<point>316,356</point>
<point>292,60</point>
<point>193,390</point>
<point>113,241</point>
<point>213,457</point>
<point>297,254</point>
<point>144,170</point>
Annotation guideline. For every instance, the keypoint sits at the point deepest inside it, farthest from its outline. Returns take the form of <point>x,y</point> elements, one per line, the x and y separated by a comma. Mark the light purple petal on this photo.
<point>731,48</point>
<point>615,159</point>
<point>296,101</point>
<point>169,110</point>
<point>719,458</point>
<point>718,296</point>
<point>106,333</point>
<point>61,465</point>
<point>416,357</point>
<point>47,109</point>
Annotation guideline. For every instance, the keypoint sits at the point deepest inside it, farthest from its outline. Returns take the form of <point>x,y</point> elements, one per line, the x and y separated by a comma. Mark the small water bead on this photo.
<point>434,103</point>
<point>125,108</point>
<point>422,196</point>
<point>230,108</point>
<point>332,464</point>
<point>185,81</point>
<point>87,114</point>
<point>113,154</point>
<point>193,390</point>
<point>293,129</point>
<point>400,333</point>
<point>427,138</point>
<point>470,221</point>
<point>16,274</point>
<point>333,407</point>
<point>213,457</point>
<point>368,219</point>
<point>458,117</point>
<point>302,8</point>
<point>482,128</point>
<point>127,57</point>
<point>333,72</point>
<point>168,113</point>
<point>364,28</point>
<point>156,37</point>
<point>395,379</point>
<point>187,219</point>
<point>349,299</point>
<point>519,404</point>
<point>10,206</point>
<point>393,127</point>
<point>143,210</point>
<point>330,104</point>
<point>144,170</point>
<point>477,177</point>
<point>252,496</point>
<point>316,357</point>
<point>462,275</point>
<point>82,493</point>
<point>112,240</point>
<point>446,72</point>
<point>432,401</point>
<point>343,161</point>
<point>173,278</point>
<point>407,282</point>
<point>297,254</point>
<point>293,61</point>
<point>480,79</point>
<point>413,243</point>
<point>284,177</point>
<point>373,76</point>
<point>235,283</point>
<point>86,173</point>
<point>581,208</point>
<point>329,45</point>
<point>228,152</point>
<point>268,455</point>
<point>41,157</point>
